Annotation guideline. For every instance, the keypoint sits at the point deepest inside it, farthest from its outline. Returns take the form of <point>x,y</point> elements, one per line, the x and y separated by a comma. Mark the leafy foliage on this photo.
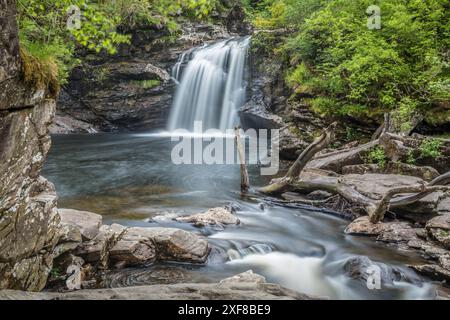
<point>45,35</point>
<point>377,156</point>
<point>431,148</point>
<point>359,72</point>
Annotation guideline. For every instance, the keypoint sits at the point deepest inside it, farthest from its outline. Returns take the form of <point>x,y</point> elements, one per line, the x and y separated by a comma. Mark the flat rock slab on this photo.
<point>425,173</point>
<point>229,289</point>
<point>375,186</point>
<point>87,222</point>
<point>392,232</point>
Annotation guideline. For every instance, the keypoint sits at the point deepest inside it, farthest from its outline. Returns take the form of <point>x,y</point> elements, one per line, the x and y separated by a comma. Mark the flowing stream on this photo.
<point>130,179</point>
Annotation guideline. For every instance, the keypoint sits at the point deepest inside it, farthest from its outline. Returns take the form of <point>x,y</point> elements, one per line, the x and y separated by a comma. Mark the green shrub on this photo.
<point>364,73</point>
<point>431,148</point>
<point>376,156</point>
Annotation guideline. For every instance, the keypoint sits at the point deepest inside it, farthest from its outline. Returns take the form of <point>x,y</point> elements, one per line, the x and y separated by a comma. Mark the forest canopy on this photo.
<point>358,71</point>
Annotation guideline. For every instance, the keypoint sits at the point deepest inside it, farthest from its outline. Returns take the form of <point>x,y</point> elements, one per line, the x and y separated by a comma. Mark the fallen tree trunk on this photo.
<point>278,186</point>
<point>306,181</point>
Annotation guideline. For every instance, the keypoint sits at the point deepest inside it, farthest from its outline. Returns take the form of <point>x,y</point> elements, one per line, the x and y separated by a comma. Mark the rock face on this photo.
<point>247,286</point>
<point>28,215</point>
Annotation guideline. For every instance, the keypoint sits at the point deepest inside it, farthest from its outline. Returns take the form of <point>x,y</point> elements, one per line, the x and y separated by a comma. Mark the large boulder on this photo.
<point>29,219</point>
<point>398,232</point>
<point>87,223</point>
<point>360,268</point>
<point>135,246</point>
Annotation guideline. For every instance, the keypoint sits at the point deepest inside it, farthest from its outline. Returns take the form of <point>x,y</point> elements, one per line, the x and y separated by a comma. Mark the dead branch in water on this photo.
<point>245,181</point>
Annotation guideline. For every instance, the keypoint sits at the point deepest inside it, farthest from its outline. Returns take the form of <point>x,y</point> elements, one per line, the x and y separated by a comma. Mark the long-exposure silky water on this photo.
<point>211,85</point>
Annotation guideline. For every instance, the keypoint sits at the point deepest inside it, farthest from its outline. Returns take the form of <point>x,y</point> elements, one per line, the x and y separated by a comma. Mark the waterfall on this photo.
<point>211,86</point>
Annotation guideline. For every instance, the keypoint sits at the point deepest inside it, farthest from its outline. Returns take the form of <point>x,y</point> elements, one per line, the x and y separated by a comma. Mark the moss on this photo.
<point>40,74</point>
<point>444,233</point>
<point>148,84</point>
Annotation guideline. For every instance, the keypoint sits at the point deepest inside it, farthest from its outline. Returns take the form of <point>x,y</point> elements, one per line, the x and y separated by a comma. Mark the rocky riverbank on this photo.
<point>396,202</point>
<point>245,286</point>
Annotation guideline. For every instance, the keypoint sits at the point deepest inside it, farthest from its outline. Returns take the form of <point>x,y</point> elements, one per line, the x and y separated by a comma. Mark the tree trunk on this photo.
<point>245,181</point>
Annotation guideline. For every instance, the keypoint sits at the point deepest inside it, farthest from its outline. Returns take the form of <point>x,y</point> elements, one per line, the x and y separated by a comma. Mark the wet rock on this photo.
<point>248,277</point>
<point>392,232</point>
<point>87,223</point>
<point>63,124</point>
<point>213,217</point>
<point>236,21</point>
<point>256,116</point>
<point>439,229</point>
<point>433,271</point>
<point>361,268</point>
<point>132,247</point>
<point>135,70</point>
<point>167,217</point>
<point>135,246</point>
<point>230,289</point>
<point>233,207</point>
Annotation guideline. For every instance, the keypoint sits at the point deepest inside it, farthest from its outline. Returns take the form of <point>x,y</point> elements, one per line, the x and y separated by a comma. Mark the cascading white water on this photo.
<point>211,86</point>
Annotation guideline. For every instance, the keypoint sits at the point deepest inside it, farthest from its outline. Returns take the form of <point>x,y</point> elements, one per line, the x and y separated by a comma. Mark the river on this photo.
<point>129,178</point>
